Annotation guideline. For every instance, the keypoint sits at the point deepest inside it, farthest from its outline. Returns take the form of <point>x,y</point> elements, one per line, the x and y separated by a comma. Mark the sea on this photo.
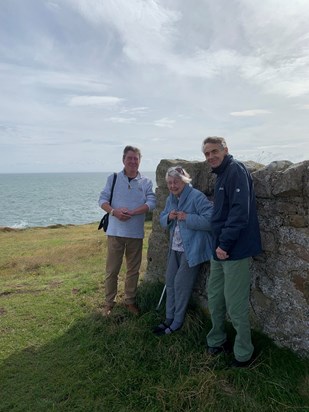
<point>45,199</point>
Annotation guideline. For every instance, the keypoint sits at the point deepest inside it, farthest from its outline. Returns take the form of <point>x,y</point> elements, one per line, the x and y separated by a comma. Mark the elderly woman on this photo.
<point>187,215</point>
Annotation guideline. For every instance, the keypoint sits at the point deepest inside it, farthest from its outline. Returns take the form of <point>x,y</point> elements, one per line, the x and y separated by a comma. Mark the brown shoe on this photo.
<point>107,310</point>
<point>132,308</point>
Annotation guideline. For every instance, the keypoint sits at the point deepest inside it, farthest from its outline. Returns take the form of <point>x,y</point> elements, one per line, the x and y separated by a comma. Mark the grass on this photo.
<point>57,352</point>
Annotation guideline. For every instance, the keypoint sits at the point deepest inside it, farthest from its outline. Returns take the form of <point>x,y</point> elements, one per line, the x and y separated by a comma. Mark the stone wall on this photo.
<point>280,275</point>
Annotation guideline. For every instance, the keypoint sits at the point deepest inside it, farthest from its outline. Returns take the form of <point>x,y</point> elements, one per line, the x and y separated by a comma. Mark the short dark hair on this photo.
<point>214,140</point>
<point>131,149</point>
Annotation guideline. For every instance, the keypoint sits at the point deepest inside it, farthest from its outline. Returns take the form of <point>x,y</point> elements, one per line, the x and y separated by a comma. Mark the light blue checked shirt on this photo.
<point>130,194</point>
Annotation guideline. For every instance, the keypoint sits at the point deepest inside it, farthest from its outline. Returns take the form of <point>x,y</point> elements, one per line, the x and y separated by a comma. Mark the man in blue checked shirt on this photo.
<point>133,197</point>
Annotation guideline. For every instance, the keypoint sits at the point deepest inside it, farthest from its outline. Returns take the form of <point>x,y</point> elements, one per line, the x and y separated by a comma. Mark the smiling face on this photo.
<point>214,154</point>
<point>175,185</point>
<point>131,162</point>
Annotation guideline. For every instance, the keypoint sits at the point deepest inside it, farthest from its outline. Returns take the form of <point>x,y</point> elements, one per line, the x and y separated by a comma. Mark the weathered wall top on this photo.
<point>280,275</point>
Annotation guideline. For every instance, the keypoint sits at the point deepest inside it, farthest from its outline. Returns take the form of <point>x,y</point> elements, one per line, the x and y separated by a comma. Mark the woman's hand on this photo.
<point>172,215</point>
<point>181,215</point>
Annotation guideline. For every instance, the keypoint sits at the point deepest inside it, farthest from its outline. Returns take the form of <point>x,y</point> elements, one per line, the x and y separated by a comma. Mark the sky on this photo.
<point>81,79</point>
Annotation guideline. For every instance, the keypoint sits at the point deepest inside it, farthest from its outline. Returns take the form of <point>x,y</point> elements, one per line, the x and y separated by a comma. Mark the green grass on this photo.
<point>57,352</point>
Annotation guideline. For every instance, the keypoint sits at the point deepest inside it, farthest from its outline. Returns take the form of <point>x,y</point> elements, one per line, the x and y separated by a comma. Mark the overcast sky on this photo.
<point>80,79</point>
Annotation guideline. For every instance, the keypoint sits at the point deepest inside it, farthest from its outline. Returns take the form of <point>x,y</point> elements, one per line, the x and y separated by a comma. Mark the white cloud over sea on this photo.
<point>80,79</point>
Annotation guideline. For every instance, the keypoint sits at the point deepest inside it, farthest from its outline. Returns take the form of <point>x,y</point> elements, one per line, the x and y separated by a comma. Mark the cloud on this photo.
<point>164,122</point>
<point>94,101</point>
<point>127,120</point>
<point>64,81</point>
<point>150,33</point>
<point>77,71</point>
<point>140,24</point>
<point>277,42</point>
<point>278,146</point>
<point>250,113</point>
<point>135,110</point>
<point>253,40</point>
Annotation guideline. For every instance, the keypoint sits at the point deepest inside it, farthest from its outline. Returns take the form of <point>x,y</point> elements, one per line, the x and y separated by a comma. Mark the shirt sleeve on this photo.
<point>105,194</point>
<point>150,195</point>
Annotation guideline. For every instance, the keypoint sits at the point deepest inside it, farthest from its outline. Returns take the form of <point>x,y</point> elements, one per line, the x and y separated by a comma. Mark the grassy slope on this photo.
<point>58,353</point>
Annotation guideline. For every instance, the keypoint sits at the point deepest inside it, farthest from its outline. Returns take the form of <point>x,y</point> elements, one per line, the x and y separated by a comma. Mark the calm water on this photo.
<point>43,199</point>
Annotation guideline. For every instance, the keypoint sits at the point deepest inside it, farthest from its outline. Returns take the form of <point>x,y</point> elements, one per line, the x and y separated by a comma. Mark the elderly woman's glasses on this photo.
<point>180,170</point>
<point>177,169</point>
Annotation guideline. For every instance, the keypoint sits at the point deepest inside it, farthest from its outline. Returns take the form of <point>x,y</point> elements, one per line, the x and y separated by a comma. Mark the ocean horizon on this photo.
<point>45,199</point>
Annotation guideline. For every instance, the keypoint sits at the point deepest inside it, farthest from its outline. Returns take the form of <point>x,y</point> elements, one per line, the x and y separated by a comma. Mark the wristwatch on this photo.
<point>111,212</point>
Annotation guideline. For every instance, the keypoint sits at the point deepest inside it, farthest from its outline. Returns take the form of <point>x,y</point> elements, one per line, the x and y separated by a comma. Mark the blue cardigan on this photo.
<point>195,230</point>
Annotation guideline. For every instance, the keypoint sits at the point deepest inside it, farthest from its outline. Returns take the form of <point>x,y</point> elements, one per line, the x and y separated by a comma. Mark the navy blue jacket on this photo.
<point>235,224</point>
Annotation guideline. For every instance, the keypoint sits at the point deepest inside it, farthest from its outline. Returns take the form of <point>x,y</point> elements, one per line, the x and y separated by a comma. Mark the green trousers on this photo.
<point>228,292</point>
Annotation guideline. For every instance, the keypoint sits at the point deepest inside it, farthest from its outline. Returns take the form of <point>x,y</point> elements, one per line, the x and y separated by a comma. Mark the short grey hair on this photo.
<point>180,172</point>
<point>214,140</point>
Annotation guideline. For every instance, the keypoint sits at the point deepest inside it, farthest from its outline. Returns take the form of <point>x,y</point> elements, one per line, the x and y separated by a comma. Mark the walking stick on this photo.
<point>161,298</point>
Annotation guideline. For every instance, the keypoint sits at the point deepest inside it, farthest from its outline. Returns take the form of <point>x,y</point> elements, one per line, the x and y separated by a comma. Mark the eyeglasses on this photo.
<point>177,169</point>
<point>180,170</point>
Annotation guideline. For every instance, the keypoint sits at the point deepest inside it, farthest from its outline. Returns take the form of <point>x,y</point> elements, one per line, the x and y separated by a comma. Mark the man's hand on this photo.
<point>221,254</point>
<point>122,214</point>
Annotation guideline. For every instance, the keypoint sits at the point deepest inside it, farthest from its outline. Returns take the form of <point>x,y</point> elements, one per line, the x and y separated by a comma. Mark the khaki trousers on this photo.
<point>117,247</point>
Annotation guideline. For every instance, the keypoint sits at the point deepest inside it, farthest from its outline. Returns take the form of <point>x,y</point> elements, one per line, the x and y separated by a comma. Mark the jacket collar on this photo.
<point>183,196</point>
<point>226,161</point>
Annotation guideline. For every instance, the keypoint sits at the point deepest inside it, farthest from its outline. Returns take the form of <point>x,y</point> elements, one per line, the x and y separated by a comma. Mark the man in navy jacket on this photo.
<point>236,238</point>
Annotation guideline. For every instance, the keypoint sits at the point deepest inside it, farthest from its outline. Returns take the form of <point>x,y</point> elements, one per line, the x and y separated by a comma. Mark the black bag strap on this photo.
<point>113,185</point>
<point>110,201</point>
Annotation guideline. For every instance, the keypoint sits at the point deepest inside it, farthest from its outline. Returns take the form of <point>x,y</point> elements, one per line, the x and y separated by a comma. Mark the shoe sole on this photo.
<point>219,351</point>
